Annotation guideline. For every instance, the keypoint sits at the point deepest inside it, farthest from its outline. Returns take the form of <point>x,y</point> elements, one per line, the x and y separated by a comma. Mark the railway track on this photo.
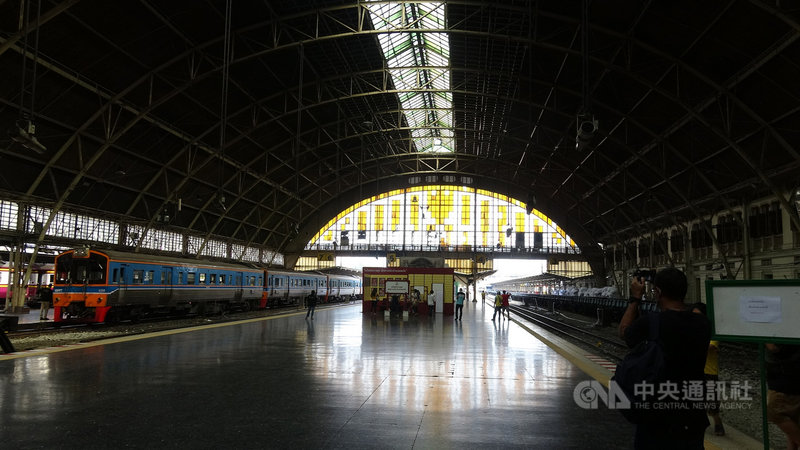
<point>33,330</point>
<point>612,348</point>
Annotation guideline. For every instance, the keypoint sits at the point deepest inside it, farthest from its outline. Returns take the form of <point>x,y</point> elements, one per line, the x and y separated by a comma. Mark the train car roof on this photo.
<point>293,272</point>
<point>169,260</point>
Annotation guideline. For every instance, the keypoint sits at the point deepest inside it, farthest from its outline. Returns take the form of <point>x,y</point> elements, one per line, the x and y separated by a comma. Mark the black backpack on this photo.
<point>645,363</point>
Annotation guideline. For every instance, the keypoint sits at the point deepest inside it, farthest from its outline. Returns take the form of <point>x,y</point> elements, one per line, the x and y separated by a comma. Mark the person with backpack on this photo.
<point>682,336</point>
<point>498,305</point>
<point>460,304</point>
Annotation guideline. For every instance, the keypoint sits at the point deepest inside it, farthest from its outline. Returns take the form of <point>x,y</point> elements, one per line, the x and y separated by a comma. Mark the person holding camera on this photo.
<point>684,338</point>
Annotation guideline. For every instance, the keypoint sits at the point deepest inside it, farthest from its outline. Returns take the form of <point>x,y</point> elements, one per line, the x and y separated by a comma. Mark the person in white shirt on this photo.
<point>431,303</point>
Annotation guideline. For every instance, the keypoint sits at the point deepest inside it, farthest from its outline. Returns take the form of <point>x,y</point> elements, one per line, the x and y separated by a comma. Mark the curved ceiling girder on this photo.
<point>516,122</point>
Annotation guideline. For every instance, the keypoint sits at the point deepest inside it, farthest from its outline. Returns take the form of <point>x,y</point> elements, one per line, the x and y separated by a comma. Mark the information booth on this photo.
<point>381,283</point>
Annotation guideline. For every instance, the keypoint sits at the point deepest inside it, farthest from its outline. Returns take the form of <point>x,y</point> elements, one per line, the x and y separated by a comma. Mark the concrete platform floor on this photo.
<point>342,380</point>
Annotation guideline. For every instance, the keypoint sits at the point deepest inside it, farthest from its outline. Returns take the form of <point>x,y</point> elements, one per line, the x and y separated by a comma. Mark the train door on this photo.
<point>122,281</point>
<point>238,289</point>
<point>165,293</point>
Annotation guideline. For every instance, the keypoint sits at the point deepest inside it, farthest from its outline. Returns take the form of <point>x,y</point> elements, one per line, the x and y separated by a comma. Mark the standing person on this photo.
<point>460,304</point>
<point>498,305</point>
<point>311,302</point>
<point>45,299</point>
<point>783,396</point>
<point>505,305</point>
<point>431,303</point>
<point>711,372</point>
<point>684,336</point>
<point>416,297</point>
<point>483,296</point>
<point>374,300</point>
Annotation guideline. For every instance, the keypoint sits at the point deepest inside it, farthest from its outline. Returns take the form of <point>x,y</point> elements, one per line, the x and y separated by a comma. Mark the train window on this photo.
<point>115,276</point>
<point>221,278</point>
<point>252,281</point>
<point>213,278</point>
<point>137,276</point>
<point>202,278</point>
<point>148,277</point>
<point>180,277</point>
<point>122,274</point>
<point>190,277</point>
<point>166,277</point>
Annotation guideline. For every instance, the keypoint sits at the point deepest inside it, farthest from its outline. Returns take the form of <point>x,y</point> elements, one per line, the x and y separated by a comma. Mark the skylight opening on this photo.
<point>417,55</point>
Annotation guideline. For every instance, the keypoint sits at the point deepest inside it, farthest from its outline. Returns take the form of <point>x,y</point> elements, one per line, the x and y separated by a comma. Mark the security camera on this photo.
<point>586,128</point>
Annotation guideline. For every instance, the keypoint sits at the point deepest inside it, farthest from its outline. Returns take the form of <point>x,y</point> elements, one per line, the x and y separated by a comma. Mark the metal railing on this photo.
<point>389,248</point>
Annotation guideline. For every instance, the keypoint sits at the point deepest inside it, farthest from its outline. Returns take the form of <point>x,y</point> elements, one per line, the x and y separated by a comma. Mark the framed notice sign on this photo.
<point>755,310</point>
<point>396,287</point>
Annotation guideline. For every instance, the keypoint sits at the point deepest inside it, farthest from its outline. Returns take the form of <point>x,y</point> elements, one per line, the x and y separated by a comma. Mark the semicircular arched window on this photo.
<point>434,218</point>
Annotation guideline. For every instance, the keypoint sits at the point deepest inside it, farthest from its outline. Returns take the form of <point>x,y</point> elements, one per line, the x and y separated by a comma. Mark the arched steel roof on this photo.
<point>698,105</point>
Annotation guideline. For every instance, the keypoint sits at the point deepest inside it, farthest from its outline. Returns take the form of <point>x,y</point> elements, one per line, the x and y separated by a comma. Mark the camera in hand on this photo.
<point>645,274</point>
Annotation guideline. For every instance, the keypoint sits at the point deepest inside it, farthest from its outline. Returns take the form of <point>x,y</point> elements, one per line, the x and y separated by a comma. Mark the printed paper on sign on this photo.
<point>760,309</point>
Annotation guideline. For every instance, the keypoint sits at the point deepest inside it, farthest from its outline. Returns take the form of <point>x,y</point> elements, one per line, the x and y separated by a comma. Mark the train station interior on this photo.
<point>601,138</point>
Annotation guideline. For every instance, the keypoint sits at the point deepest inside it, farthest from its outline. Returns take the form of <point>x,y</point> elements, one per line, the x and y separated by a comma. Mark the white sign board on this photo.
<point>755,310</point>
<point>760,309</point>
<point>396,287</point>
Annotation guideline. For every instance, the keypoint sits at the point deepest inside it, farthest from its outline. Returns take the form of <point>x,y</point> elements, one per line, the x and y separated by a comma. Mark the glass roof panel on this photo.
<point>417,53</point>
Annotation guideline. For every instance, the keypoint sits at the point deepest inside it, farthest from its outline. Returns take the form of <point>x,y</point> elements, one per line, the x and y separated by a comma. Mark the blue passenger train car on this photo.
<point>286,287</point>
<point>95,286</point>
<point>100,286</point>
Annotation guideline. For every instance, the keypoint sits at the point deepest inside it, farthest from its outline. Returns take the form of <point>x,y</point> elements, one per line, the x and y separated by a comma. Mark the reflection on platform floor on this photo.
<point>342,380</point>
